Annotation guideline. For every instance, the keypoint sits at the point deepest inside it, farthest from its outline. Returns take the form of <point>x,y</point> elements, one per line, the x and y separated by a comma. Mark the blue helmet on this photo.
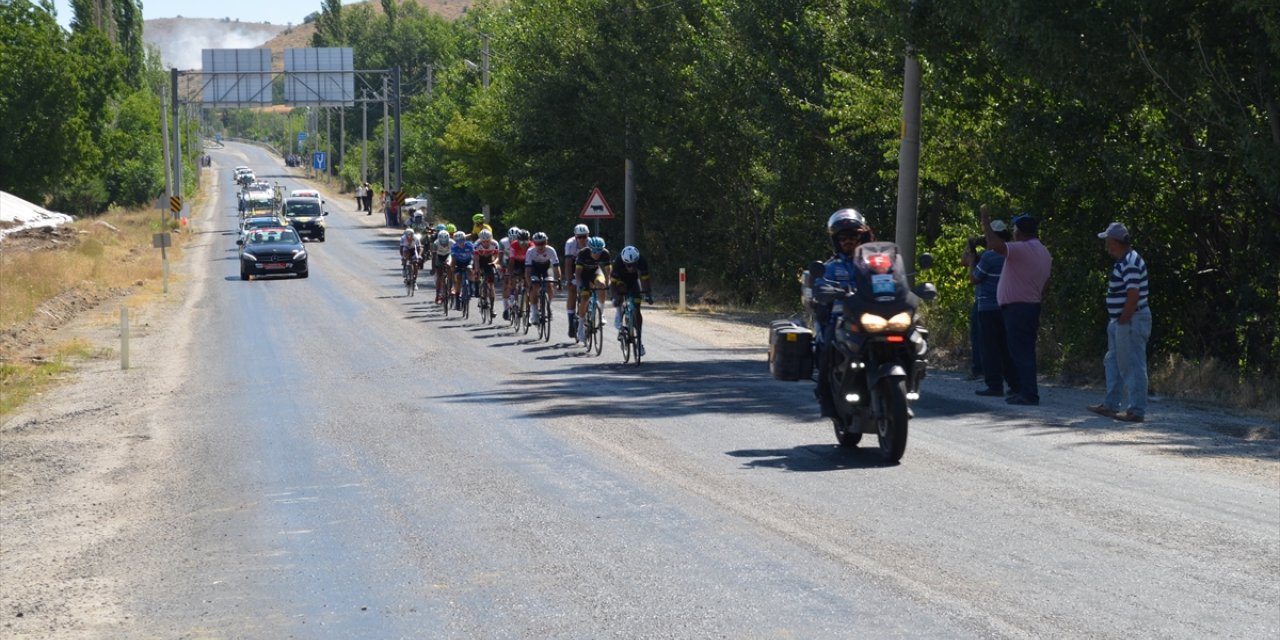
<point>596,244</point>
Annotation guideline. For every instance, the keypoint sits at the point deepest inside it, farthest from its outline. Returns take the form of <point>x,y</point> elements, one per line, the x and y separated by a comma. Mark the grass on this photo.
<point>102,258</point>
<point>83,268</point>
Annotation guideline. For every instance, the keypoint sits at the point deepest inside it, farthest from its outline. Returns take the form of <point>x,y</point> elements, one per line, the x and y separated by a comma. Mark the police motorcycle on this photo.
<point>878,351</point>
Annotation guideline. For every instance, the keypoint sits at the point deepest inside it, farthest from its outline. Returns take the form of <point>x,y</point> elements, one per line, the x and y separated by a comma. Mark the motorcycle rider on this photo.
<point>848,230</point>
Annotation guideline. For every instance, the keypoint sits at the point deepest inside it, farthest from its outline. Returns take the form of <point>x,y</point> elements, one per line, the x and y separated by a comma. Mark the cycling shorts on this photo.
<point>438,261</point>
<point>586,279</point>
<point>539,269</point>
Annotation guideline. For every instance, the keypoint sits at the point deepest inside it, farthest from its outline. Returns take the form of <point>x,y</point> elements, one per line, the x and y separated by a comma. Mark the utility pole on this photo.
<point>484,82</point>
<point>177,136</point>
<point>395,75</point>
<point>364,137</point>
<point>168,160</point>
<point>909,160</point>
<point>342,136</point>
<point>386,142</point>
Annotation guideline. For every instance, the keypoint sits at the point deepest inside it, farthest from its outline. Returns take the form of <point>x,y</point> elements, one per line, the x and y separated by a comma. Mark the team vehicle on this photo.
<point>274,251</point>
<point>306,215</point>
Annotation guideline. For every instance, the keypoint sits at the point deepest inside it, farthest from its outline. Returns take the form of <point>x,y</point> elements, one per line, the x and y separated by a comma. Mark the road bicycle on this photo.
<point>628,336</point>
<point>486,300</point>
<point>544,308</point>
<point>464,294</point>
<point>594,331</point>
<point>520,313</point>
<point>450,298</point>
<point>410,271</point>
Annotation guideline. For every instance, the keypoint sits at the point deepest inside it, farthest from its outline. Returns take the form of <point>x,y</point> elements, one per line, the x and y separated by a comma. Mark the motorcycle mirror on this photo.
<point>927,292</point>
<point>926,261</point>
<point>816,269</point>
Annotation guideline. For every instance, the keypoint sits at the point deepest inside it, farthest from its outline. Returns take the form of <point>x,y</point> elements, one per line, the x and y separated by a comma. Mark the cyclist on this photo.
<point>630,277</point>
<point>487,253</point>
<point>515,268</point>
<point>847,229</point>
<point>538,261</point>
<point>477,225</point>
<point>441,251</point>
<point>410,248</point>
<point>572,247</point>
<point>463,250</point>
<point>591,271</point>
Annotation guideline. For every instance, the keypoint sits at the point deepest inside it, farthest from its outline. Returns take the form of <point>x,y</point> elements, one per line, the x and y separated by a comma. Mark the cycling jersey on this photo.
<point>440,253</point>
<point>475,231</point>
<point>486,251</point>
<point>572,247</point>
<point>519,250</point>
<point>589,267</point>
<point>539,260</point>
<point>462,253</point>
<point>634,282</point>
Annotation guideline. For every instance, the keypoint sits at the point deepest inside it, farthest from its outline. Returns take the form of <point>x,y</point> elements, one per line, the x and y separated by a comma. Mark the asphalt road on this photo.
<point>355,465</point>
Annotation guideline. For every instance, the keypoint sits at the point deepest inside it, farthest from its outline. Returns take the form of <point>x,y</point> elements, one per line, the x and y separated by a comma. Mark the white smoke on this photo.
<point>181,41</point>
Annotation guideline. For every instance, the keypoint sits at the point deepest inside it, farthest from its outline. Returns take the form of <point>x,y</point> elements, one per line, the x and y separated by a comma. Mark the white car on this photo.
<point>306,193</point>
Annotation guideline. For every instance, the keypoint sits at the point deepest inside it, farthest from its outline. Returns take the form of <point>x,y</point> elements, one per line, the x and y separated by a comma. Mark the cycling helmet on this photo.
<point>847,220</point>
<point>440,227</point>
<point>513,233</point>
<point>477,218</point>
<point>524,235</point>
<point>630,255</point>
<point>581,230</point>
<point>596,244</point>
<point>540,238</point>
<point>450,228</point>
<point>486,235</point>
<point>459,236</point>
<point>442,237</point>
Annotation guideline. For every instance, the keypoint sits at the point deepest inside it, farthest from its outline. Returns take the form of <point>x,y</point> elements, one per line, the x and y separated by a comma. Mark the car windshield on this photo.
<point>274,235</point>
<point>302,208</point>
<point>260,223</point>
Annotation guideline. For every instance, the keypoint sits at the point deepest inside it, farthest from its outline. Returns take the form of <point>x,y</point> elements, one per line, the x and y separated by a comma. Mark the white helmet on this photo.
<point>630,255</point>
<point>581,230</point>
<point>486,235</point>
<point>539,238</point>
<point>442,237</point>
<point>459,236</point>
<point>513,233</point>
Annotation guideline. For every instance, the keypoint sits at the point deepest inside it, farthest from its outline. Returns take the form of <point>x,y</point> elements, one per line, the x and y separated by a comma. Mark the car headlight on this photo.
<point>900,322</point>
<point>873,323</point>
<point>248,256</point>
<point>300,254</point>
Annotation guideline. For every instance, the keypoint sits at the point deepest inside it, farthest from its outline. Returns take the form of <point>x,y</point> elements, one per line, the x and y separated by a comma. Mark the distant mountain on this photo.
<point>180,40</point>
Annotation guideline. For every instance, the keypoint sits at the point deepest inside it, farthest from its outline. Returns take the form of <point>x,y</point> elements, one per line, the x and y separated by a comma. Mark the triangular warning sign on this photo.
<point>596,208</point>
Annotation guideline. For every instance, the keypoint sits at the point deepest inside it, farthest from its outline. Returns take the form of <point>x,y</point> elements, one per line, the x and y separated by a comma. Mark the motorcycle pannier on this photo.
<point>790,353</point>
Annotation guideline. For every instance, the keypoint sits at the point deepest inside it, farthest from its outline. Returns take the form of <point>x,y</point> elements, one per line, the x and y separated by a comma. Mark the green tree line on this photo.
<point>750,121</point>
<point>79,109</point>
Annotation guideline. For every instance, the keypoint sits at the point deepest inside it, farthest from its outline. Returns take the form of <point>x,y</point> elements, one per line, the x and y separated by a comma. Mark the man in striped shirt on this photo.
<point>1128,330</point>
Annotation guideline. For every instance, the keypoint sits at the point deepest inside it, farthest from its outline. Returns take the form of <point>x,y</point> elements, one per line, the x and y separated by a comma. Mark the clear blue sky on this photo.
<point>279,12</point>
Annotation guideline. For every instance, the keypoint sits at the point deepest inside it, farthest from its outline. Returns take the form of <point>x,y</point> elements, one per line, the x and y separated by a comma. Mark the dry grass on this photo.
<point>102,257</point>
<point>1211,383</point>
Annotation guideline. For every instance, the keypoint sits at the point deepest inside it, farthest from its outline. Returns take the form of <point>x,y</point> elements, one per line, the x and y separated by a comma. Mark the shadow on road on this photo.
<point>815,457</point>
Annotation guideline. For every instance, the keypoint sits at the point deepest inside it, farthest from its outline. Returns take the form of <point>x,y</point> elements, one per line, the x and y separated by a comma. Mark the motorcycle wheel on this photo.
<point>893,425</point>
<point>848,435</point>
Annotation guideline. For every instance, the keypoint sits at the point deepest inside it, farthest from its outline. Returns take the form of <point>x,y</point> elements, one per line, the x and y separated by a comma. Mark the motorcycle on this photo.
<point>878,352</point>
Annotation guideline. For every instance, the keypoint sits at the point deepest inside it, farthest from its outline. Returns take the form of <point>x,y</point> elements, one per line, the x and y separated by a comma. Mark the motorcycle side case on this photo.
<point>790,352</point>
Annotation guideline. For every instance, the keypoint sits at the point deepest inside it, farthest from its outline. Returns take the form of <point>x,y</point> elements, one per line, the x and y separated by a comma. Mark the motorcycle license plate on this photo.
<point>275,265</point>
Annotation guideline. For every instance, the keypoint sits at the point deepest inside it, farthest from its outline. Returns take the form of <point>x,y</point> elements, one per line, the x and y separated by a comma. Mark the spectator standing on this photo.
<point>368,199</point>
<point>1020,293</point>
<point>984,273</point>
<point>360,197</point>
<point>1128,330</point>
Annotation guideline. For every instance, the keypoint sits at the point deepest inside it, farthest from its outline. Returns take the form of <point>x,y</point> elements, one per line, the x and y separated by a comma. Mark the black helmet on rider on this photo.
<point>847,223</point>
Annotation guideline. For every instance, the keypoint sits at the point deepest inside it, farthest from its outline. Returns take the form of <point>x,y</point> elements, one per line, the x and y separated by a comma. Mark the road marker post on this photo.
<point>682,289</point>
<point>124,337</point>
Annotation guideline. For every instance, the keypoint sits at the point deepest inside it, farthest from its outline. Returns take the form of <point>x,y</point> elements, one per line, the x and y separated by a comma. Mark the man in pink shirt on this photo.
<point>1019,294</point>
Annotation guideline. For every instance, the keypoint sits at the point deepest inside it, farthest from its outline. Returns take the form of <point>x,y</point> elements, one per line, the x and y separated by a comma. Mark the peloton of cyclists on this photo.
<point>572,247</point>
<point>592,268</point>
<point>630,278</point>
<point>538,261</point>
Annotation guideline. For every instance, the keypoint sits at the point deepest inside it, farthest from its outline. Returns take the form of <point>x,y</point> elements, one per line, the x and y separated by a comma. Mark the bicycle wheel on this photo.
<point>595,328</point>
<point>624,341</point>
<point>448,296</point>
<point>410,283</point>
<point>524,312</point>
<point>633,334</point>
<point>465,300</point>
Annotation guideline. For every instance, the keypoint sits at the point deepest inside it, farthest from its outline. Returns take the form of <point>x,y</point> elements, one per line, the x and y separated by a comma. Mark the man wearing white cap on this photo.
<point>1128,330</point>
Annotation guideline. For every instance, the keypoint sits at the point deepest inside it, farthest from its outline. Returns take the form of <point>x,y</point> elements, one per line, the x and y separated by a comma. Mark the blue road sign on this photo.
<point>302,135</point>
<point>318,160</point>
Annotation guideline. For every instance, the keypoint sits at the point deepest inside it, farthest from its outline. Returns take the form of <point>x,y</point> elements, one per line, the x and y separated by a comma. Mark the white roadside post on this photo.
<point>124,337</point>
<point>682,289</point>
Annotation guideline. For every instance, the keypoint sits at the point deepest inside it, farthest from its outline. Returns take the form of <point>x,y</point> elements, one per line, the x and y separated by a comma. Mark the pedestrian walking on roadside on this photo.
<point>984,273</point>
<point>1128,330</point>
<point>1020,293</point>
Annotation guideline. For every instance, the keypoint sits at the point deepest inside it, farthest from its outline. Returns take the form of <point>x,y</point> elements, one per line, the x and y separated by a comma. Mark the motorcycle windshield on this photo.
<point>881,278</point>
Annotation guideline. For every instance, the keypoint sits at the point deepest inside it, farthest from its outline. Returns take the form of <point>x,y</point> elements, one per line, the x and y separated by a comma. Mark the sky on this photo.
<point>281,12</point>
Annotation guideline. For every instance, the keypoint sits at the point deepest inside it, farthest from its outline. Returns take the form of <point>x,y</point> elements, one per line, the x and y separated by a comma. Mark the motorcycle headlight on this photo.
<point>873,323</point>
<point>900,322</point>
